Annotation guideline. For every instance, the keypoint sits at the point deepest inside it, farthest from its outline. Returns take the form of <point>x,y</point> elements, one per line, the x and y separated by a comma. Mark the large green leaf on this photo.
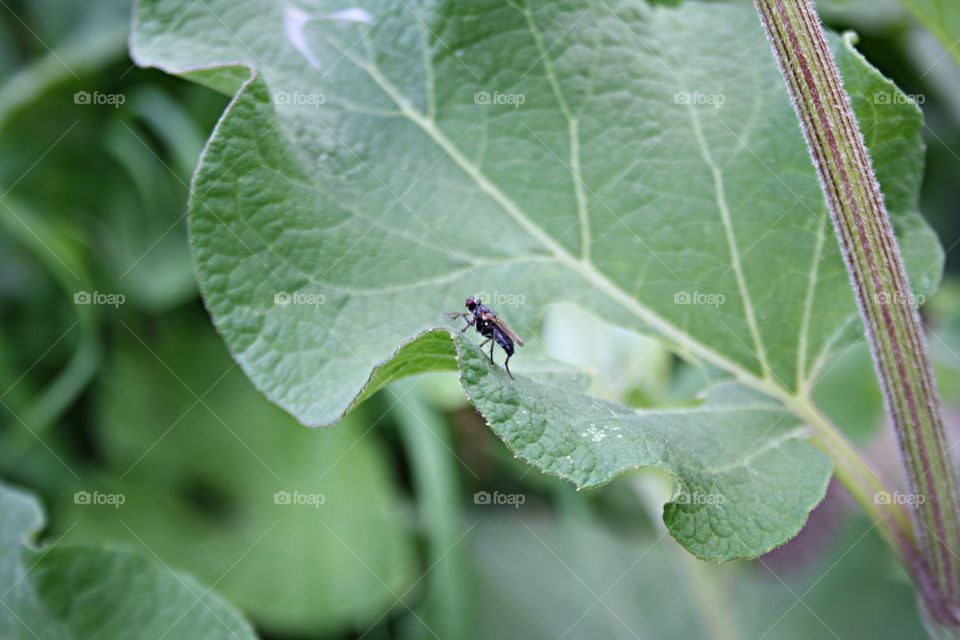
<point>67,592</point>
<point>383,162</point>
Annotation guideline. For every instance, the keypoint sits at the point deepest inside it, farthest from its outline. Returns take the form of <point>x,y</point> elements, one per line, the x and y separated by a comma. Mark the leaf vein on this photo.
<point>573,133</point>
<point>726,219</point>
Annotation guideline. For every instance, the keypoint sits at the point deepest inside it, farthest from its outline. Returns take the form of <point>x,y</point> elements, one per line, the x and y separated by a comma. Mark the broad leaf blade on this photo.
<point>380,163</point>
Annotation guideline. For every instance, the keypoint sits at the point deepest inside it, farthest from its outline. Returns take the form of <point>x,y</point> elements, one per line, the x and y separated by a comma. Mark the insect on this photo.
<point>495,330</point>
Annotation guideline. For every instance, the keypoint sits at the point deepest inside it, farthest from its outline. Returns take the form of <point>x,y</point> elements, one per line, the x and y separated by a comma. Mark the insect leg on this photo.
<point>493,343</point>
<point>506,365</point>
<point>485,342</point>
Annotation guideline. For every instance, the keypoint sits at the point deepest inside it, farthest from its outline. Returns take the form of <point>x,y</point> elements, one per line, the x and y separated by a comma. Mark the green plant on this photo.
<point>626,183</point>
<point>666,187</point>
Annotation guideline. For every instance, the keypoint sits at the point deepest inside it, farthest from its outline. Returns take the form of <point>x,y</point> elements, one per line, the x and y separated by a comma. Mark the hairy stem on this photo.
<point>883,293</point>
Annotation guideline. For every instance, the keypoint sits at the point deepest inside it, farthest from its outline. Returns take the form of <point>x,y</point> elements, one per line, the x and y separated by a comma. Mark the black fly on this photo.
<point>487,324</point>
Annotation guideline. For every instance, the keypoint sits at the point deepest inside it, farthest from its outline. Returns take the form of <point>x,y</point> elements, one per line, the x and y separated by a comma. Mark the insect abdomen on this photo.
<point>504,341</point>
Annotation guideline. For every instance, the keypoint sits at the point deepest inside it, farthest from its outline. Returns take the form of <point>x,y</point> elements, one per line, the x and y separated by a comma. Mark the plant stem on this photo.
<point>883,293</point>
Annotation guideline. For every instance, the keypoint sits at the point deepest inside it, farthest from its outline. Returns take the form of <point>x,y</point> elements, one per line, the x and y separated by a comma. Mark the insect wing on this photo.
<point>500,324</point>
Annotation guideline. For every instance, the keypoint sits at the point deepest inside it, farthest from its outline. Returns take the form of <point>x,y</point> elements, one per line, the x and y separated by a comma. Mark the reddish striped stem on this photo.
<point>883,293</point>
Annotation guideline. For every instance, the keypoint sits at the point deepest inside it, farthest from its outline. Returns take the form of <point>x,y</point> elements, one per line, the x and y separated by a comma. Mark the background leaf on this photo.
<point>87,592</point>
<point>942,19</point>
